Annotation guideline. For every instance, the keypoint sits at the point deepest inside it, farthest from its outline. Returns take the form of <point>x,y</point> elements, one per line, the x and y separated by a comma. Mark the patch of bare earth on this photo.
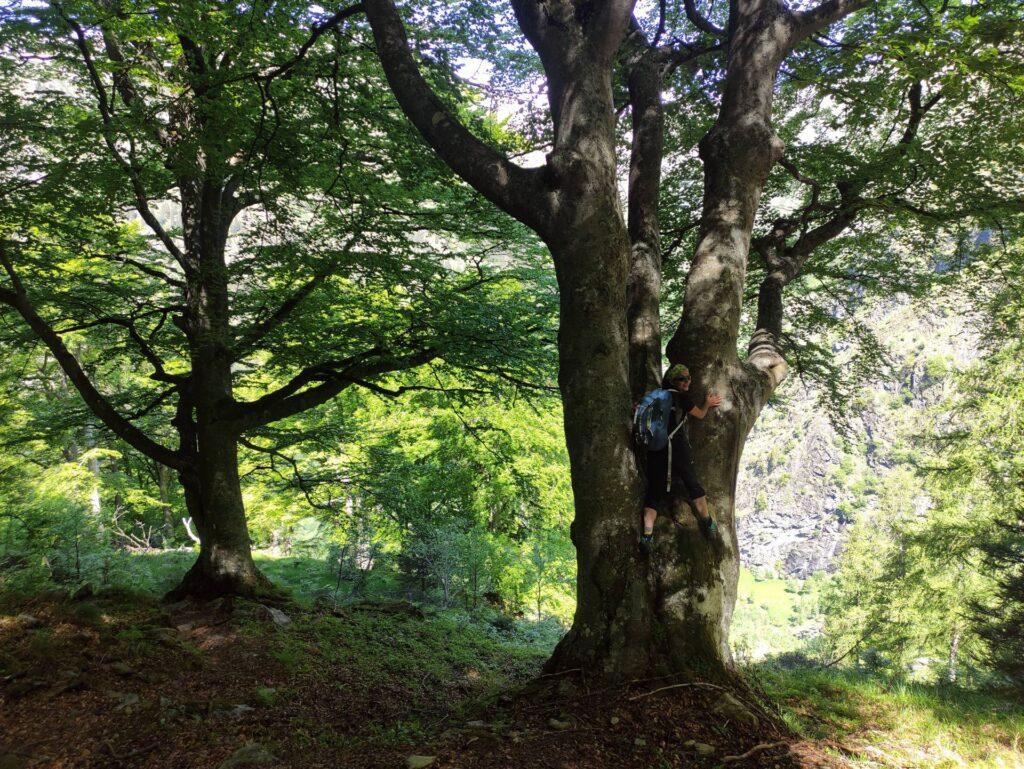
<point>572,724</point>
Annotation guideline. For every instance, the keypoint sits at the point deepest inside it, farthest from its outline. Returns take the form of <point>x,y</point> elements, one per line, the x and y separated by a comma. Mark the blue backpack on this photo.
<point>651,418</point>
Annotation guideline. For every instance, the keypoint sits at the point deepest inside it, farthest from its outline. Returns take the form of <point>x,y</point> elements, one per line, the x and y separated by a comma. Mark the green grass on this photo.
<point>420,671</point>
<point>769,612</point>
<point>155,573</point>
<point>910,726</point>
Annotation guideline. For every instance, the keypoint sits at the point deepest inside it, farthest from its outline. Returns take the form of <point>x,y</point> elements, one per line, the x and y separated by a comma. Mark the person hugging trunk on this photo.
<point>661,484</point>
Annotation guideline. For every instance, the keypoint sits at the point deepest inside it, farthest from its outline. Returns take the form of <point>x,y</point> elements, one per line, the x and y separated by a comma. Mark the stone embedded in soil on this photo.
<point>731,708</point>
<point>419,762</point>
<point>122,668</point>
<point>704,749</point>
<point>248,755</point>
<point>558,724</point>
<point>277,616</point>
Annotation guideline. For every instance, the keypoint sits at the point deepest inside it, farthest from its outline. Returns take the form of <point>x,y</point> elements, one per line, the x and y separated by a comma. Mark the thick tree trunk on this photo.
<point>612,631</point>
<point>213,492</point>
<point>694,581</point>
<point>214,499</point>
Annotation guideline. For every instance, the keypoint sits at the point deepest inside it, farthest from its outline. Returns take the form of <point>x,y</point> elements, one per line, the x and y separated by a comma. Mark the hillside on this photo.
<point>802,483</point>
<point>119,680</point>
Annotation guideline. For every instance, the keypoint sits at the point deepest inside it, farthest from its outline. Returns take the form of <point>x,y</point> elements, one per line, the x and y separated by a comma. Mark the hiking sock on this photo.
<point>646,540</point>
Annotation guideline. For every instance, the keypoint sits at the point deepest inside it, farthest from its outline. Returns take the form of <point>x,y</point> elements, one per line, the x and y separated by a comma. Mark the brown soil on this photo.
<point>108,683</point>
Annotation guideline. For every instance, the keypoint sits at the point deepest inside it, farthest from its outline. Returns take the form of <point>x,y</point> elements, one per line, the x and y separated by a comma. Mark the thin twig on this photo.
<point>678,686</point>
<point>560,673</point>
<point>754,751</point>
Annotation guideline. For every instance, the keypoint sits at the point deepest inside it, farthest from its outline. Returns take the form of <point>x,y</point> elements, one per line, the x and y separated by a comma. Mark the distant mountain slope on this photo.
<point>800,482</point>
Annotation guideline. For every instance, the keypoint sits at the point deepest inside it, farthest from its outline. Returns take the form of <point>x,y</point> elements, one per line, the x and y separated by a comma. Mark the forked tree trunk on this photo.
<point>670,613</point>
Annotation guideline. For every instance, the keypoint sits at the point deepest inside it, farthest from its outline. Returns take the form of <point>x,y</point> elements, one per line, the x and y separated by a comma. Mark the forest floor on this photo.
<point>121,680</point>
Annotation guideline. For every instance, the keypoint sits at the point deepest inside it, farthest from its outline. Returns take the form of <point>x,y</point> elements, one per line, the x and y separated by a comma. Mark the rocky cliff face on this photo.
<point>800,480</point>
<point>789,499</point>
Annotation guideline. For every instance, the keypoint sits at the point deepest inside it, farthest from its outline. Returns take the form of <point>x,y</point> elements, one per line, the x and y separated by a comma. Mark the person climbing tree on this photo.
<point>662,486</point>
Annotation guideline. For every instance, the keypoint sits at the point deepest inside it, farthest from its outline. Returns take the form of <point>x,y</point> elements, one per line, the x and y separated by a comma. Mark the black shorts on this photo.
<point>684,475</point>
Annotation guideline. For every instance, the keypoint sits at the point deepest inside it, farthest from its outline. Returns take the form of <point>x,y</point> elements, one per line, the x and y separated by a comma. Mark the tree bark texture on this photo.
<point>213,492</point>
<point>670,613</point>
<point>592,253</point>
<point>699,584</point>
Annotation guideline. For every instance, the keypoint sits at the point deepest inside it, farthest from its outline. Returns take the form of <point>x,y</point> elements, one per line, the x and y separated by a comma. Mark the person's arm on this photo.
<point>710,402</point>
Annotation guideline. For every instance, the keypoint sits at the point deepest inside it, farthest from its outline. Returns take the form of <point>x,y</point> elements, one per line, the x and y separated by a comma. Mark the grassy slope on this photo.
<point>360,687</point>
<point>770,612</point>
<point>909,726</point>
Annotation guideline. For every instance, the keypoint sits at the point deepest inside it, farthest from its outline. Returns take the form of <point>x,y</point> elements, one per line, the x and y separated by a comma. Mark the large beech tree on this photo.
<point>278,255</point>
<point>670,613</point>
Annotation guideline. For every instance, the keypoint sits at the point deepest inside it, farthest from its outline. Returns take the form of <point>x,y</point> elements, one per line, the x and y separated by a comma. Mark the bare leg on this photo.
<point>650,515</point>
<point>701,506</point>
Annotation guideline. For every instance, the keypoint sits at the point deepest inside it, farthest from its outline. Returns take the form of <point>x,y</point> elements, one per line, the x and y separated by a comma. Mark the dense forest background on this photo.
<point>357,363</point>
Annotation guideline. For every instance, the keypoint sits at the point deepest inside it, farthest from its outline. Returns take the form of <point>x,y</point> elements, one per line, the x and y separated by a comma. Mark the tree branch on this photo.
<point>153,404</point>
<point>258,332</point>
<point>142,267</point>
<point>700,21</point>
<point>100,406</point>
<point>126,88</point>
<point>159,372</point>
<point>784,262</point>
<point>128,165</point>
<point>517,191</point>
<point>333,377</point>
<point>315,34</point>
<point>608,24</point>
<point>644,287</point>
<point>806,23</point>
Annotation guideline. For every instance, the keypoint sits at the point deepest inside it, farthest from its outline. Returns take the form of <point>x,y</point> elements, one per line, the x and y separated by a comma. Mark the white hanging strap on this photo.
<point>668,474</point>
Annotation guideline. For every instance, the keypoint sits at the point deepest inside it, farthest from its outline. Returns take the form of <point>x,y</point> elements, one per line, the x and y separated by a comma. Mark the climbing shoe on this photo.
<point>646,542</point>
<point>708,528</point>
